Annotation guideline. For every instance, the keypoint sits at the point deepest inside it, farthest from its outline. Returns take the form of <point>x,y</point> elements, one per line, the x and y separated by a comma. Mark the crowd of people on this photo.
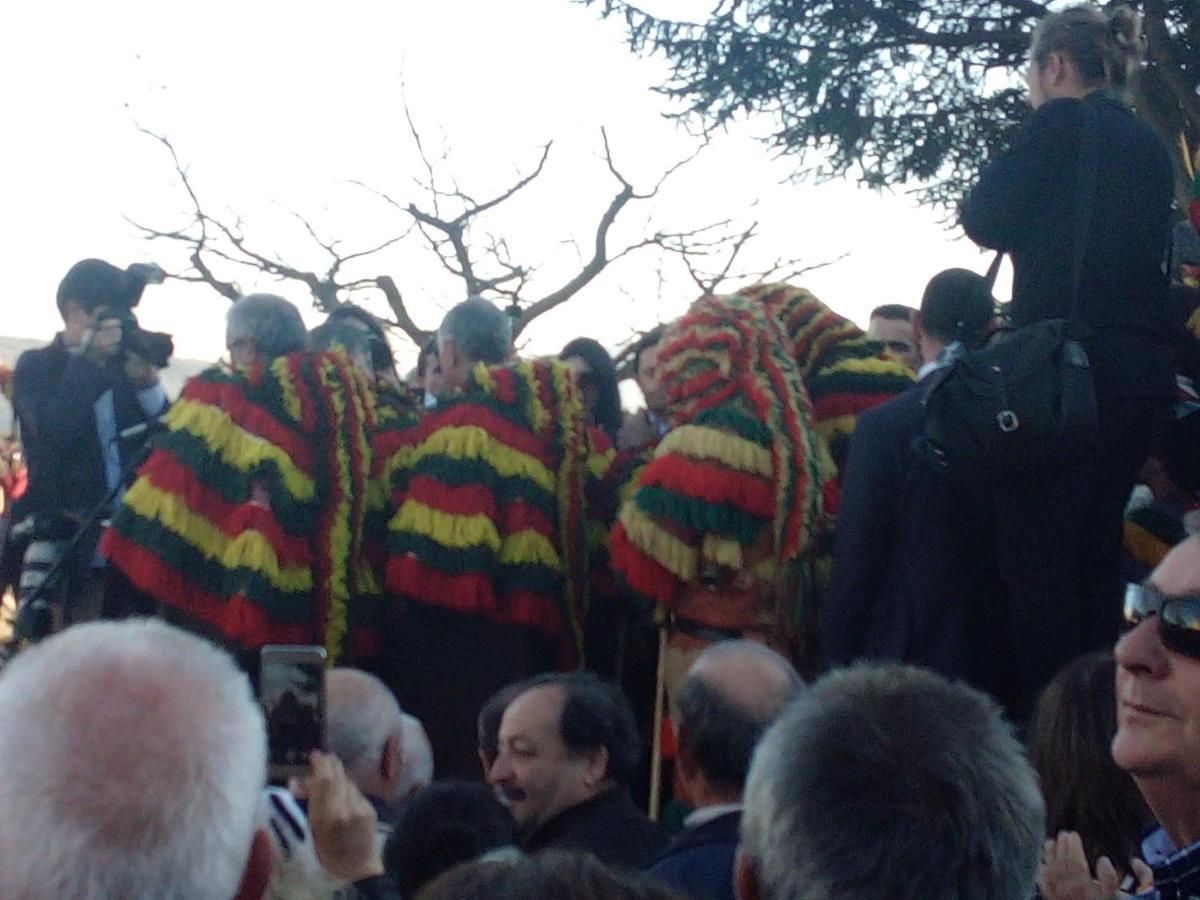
<point>762,638</point>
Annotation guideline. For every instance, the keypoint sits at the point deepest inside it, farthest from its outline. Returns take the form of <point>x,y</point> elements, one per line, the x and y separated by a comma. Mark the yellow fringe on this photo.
<point>529,547</point>
<point>722,551</point>
<point>250,549</point>
<point>473,442</point>
<point>836,426</point>
<point>871,365</point>
<point>282,373</point>
<point>702,442</point>
<point>449,530</point>
<point>236,446</point>
<point>676,556</point>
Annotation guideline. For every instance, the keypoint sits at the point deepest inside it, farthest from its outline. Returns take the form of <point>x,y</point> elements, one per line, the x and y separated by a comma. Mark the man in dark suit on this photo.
<point>79,402</point>
<point>903,556</point>
<point>729,697</point>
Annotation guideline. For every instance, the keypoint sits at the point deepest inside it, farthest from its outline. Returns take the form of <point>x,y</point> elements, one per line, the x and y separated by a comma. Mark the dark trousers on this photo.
<point>1051,588</point>
<point>444,666</point>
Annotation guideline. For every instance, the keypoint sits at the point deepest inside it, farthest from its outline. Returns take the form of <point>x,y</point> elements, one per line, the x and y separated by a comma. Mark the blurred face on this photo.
<point>898,336</point>
<point>1158,708</point>
<point>587,385</point>
<point>534,772</point>
<point>648,381</point>
<point>241,351</point>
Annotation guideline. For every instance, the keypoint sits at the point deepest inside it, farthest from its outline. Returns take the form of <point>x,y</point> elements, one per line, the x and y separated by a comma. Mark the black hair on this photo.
<point>549,875</point>
<point>718,735</point>
<point>381,351</point>
<point>595,714</point>
<point>650,339</point>
<point>957,306</point>
<point>445,824</point>
<point>607,414</point>
<point>895,312</point>
<point>93,283</point>
<point>429,350</point>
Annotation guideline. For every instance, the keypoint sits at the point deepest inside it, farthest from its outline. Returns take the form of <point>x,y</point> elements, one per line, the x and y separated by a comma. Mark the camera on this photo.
<point>156,347</point>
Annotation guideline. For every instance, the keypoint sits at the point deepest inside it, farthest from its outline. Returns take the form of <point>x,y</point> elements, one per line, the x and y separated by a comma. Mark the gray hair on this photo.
<point>271,323</point>
<point>344,333</point>
<point>362,714</point>
<point>891,782</point>
<point>728,699</point>
<point>479,330</point>
<point>134,755</point>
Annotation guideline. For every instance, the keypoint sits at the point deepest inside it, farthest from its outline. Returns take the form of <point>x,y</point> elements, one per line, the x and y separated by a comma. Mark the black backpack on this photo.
<point>1026,402</point>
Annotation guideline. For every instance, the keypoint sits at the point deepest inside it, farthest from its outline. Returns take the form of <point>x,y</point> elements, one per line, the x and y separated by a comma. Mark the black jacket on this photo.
<point>609,827</point>
<point>699,864</point>
<point>54,396</point>
<point>1024,204</point>
<point>904,550</point>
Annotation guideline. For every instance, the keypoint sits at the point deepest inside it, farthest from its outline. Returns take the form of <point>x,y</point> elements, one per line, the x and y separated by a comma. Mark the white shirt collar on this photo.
<point>706,814</point>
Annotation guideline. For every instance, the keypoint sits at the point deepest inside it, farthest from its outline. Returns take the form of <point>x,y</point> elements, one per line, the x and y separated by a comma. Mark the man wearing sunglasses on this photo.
<point>1157,740</point>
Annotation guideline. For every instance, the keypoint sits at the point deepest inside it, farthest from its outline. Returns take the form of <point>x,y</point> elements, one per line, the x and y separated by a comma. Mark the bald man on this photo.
<point>728,698</point>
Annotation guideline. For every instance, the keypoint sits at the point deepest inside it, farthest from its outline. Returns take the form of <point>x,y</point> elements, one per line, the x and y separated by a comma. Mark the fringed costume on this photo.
<point>733,497</point>
<point>487,550</point>
<point>247,518</point>
<point>845,372</point>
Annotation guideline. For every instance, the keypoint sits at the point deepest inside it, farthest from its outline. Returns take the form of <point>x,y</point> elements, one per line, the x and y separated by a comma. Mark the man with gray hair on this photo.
<point>386,755</point>
<point>260,327</point>
<point>729,697</point>
<point>475,331</point>
<point>889,782</point>
<point>133,755</point>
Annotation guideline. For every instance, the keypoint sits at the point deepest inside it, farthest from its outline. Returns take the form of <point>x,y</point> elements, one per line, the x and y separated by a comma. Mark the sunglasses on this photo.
<point>1178,617</point>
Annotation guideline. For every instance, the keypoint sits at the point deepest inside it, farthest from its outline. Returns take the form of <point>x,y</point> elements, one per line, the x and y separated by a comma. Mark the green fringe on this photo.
<point>698,515</point>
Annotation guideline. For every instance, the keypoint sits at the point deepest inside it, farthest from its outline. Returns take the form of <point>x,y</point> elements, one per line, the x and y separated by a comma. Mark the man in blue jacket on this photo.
<point>729,697</point>
<point>80,402</point>
<point>903,561</point>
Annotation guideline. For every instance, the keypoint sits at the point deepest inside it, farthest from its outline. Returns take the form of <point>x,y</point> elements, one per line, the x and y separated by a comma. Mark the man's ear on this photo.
<point>745,877</point>
<point>391,759</point>
<point>258,869</point>
<point>918,327</point>
<point>597,767</point>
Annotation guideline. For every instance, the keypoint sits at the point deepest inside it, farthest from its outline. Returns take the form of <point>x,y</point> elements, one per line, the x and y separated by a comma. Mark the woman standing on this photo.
<point>1059,537</point>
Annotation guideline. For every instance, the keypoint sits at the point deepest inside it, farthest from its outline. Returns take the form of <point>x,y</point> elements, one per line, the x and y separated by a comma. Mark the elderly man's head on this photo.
<point>563,740</point>
<point>729,697</point>
<point>385,751</point>
<point>1158,692</point>
<point>260,327</point>
<point>885,782</point>
<point>474,331</point>
<point>133,758</point>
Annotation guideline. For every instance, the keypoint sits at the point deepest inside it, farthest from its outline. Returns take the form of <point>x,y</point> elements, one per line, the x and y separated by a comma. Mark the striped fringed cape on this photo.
<point>846,373</point>
<point>247,517</point>
<point>492,518</point>
<point>740,470</point>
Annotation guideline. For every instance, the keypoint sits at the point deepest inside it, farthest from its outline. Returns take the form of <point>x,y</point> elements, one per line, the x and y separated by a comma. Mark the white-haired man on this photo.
<point>133,756</point>
<point>890,781</point>
<point>386,755</point>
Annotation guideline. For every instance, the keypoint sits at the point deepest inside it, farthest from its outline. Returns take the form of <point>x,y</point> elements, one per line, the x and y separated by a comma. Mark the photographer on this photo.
<point>76,401</point>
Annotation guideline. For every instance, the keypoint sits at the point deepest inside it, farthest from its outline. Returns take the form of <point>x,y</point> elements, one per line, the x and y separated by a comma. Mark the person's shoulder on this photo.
<point>883,419</point>
<point>36,357</point>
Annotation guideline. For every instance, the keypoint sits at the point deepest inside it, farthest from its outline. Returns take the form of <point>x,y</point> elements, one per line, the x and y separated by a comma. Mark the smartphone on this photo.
<point>291,689</point>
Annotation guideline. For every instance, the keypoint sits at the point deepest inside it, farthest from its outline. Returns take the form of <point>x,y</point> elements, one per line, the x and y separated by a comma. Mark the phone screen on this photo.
<point>292,693</point>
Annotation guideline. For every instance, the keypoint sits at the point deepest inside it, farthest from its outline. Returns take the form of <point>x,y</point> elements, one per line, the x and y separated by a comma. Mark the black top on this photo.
<point>905,551</point>
<point>54,396</point>
<point>1024,205</point>
<point>609,827</point>
<point>699,864</point>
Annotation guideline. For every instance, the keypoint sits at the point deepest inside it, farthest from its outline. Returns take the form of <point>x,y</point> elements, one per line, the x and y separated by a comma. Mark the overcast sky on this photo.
<point>276,107</point>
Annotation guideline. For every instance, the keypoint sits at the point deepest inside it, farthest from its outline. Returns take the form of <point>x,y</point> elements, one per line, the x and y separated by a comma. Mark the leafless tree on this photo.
<point>447,219</point>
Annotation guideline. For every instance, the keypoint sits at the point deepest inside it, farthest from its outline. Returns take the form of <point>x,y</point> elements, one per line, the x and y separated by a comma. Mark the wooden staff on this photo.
<point>660,698</point>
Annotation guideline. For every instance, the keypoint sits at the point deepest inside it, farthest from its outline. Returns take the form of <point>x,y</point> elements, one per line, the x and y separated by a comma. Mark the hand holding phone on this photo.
<point>292,694</point>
